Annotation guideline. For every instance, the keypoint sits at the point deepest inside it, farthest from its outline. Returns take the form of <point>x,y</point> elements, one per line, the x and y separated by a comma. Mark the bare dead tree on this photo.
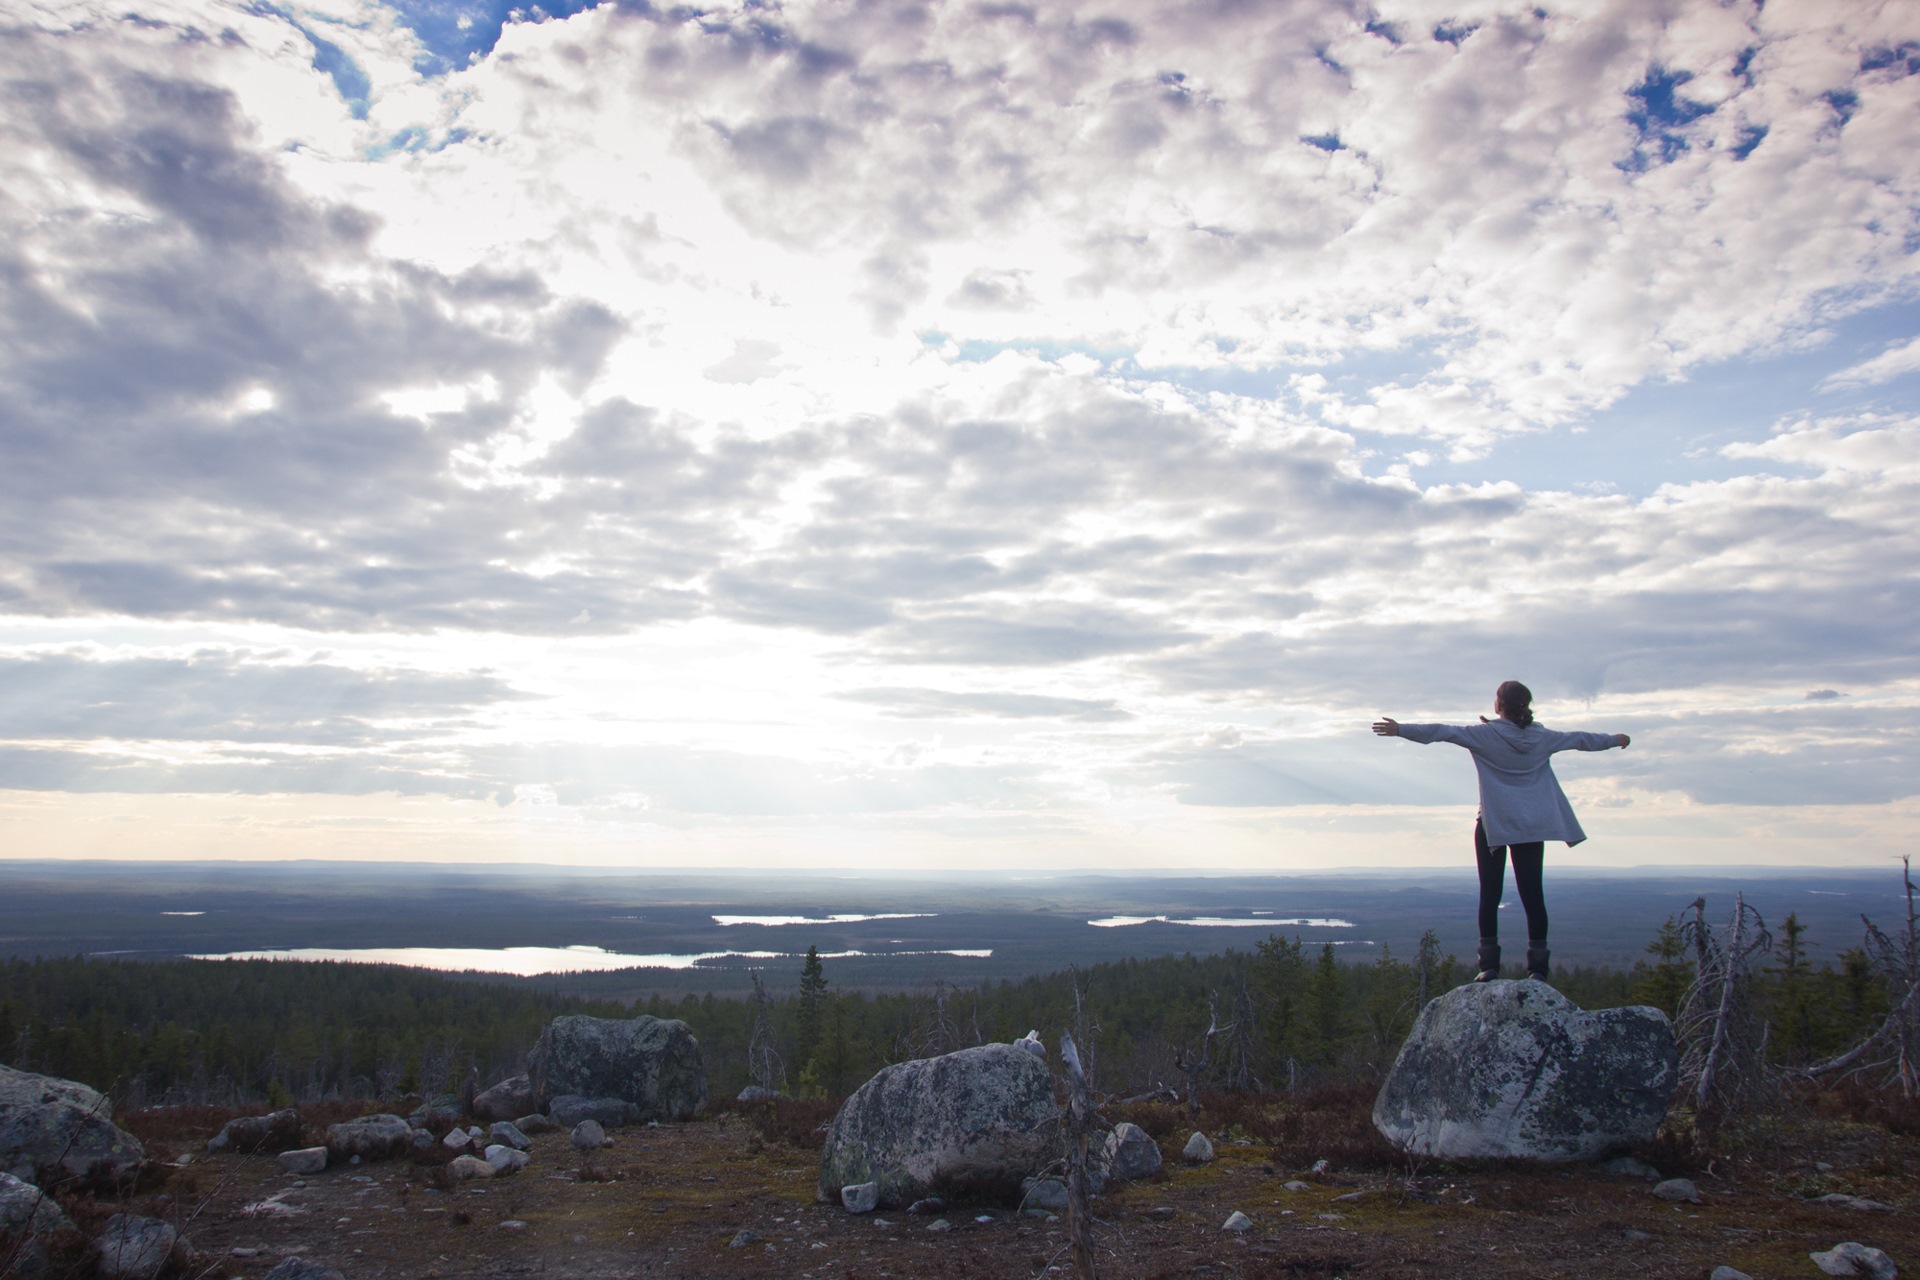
<point>1892,1050</point>
<point>764,1066</point>
<point>1241,1078</point>
<point>1080,1108</point>
<point>1194,1061</point>
<point>1723,1038</point>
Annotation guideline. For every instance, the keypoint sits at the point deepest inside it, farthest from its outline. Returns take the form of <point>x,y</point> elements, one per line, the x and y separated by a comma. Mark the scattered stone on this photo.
<point>1198,1150</point>
<point>247,1134</point>
<point>1728,1273</point>
<point>136,1248</point>
<point>1628,1167</point>
<point>508,1134</point>
<point>931,1204</point>
<point>1845,1201</point>
<point>654,1064</point>
<point>505,1159</point>
<point>371,1137</point>
<point>975,1122</point>
<point>1636,1235</point>
<point>301,1269</point>
<point>1048,1194</point>
<point>510,1224</point>
<point>1512,1069</point>
<point>860,1197</point>
<point>1681,1189</point>
<point>461,1168</point>
<point>588,1136</point>
<point>1237,1221</point>
<point>456,1140</point>
<point>939,1224</point>
<point>1855,1259</point>
<point>1031,1043</point>
<point>1320,1167</point>
<point>536,1123</point>
<point>1160,1212</point>
<point>570,1109</point>
<point>1331,1217</point>
<point>1352,1195</point>
<point>508,1100</point>
<point>1296,1185</point>
<point>1128,1154</point>
<point>243,1251</point>
<point>742,1239</point>
<point>28,1220</point>
<point>444,1108</point>
<point>423,1141</point>
<point>303,1161</point>
<point>57,1128</point>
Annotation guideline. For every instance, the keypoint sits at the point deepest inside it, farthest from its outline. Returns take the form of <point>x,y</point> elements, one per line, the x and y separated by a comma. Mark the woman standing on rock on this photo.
<point>1521,808</point>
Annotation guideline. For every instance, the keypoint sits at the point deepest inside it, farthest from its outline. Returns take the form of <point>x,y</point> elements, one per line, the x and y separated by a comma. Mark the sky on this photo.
<point>902,436</point>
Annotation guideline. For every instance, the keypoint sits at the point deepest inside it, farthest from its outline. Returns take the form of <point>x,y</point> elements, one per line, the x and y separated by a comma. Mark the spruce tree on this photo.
<point>807,1011</point>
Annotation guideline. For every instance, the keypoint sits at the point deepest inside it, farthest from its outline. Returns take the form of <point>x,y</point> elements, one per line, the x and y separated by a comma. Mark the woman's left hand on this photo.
<point>1387,727</point>
<point>1623,740</point>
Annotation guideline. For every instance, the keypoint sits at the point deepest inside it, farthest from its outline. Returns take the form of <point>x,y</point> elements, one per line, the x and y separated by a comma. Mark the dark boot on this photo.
<point>1489,960</point>
<point>1537,960</point>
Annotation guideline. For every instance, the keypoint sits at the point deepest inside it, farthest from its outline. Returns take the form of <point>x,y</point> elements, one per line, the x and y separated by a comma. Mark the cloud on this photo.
<point>914,703</point>
<point>1896,361</point>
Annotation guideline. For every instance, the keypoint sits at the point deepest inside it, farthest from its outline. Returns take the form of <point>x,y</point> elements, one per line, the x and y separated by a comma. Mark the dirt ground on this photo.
<point>672,1201</point>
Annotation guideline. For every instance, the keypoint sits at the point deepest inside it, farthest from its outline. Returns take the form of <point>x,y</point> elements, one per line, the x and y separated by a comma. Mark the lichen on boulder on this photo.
<point>652,1064</point>
<point>1515,1069</point>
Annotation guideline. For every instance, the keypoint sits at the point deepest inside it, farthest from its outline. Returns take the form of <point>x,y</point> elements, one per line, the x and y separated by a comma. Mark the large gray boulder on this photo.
<point>29,1221</point>
<point>973,1123</point>
<point>1517,1070</point>
<point>370,1137</point>
<point>136,1248</point>
<point>59,1129</point>
<point>508,1100</point>
<point>653,1064</point>
<point>1127,1154</point>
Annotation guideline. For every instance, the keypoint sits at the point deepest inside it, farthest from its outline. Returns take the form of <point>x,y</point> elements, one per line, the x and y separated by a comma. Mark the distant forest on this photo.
<point>1283,1015</point>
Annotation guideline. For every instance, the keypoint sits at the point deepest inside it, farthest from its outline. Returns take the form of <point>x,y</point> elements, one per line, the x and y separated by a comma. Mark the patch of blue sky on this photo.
<point>1673,433</point>
<point>455,33</point>
<point>349,79</point>
<point>1658,112</point>
<point>416,138</point>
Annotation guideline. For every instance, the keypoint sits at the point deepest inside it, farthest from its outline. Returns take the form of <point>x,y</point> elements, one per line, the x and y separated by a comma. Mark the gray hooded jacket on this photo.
<point>1520,799</point>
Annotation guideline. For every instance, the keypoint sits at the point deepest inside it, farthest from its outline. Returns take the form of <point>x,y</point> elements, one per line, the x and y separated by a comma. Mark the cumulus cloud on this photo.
<point>1892,363</point>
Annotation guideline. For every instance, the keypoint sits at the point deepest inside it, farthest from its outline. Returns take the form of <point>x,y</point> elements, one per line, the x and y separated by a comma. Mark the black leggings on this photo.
<point>1527,860</point>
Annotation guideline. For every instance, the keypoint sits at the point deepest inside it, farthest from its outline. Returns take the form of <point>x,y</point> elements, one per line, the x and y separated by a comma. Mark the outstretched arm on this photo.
<point>1388,727</point>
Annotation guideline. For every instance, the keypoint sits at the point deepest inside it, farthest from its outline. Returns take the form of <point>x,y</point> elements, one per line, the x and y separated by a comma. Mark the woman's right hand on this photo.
<point>1387,727</point>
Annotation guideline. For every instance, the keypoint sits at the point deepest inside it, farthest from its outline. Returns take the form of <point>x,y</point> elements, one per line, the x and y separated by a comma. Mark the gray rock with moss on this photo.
<point>651,1064</point>
<point>374,1137</point>
<point>59,1129</point>
<point>978,1122</point>
<point>1517,1070</point>
<point>29,1221</point>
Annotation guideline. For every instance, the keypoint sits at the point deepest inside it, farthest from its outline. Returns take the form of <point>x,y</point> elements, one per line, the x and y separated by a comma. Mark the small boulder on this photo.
<point>457,1140</point>
<point>1198,1149</point>
<point>424,1141</point>
<point>974,1122</point>
<point>1129,1153</point>
<point>1678,1189</point>
<point>1628,1167</point>
<point>1841,1200</point>
<point>508,1134</point>
<point>756,1093</point>
<point>742,1238</point>
<point>1296,1185</point>
<point>1031,1043</point>
<point>533,1122</point>
<point>372,1137</point>
<point>276,1131</point>
<point>505,1159</point>
<point>443,1108</point>
<point>861,1197</point>
<point>1514,1069</point>
<point>1855,1259</point>
<point>652,1064</point>
<point>29,1220</point>
<point>1728,1273</point>
<point>1046,1194</point>
<point>60,1129</point>
<point>588,1136</point>
<point>301,1269</point>
<point>1237,1221</point>
<point>136,1248</point>
<point>508,1100</point>
<point>461,1168</point>
<point>304,1160</point>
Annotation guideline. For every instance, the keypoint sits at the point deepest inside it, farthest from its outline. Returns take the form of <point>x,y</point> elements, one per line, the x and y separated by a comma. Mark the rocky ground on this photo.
<point>733,1196</point>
